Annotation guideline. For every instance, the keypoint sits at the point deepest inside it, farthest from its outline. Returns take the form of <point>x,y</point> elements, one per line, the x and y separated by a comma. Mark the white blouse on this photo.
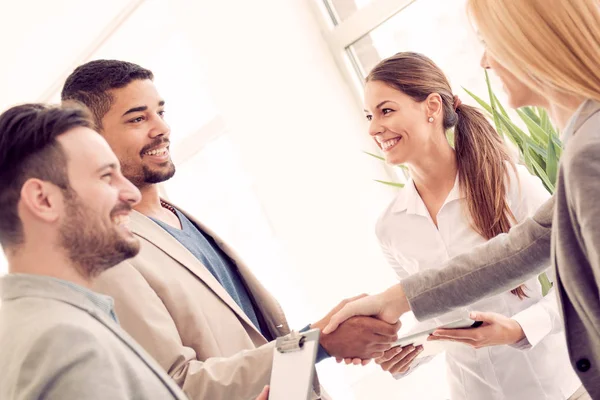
<point>539,368</point>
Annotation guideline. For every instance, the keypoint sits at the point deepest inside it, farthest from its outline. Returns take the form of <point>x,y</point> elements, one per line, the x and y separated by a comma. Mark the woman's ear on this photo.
<point>434,106</point>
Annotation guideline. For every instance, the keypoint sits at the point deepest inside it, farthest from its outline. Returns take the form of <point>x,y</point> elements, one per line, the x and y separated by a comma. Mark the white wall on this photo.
<point>299,133</point>
<point>295,136</point>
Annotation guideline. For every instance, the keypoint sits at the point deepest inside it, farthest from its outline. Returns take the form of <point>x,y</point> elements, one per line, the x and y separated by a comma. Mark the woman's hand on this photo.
<point>398,360</point>
<point>388,306</point>
<point>496,330</point>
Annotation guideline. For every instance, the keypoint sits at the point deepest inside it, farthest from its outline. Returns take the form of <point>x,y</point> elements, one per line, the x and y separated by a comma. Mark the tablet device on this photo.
<point>419,338</point>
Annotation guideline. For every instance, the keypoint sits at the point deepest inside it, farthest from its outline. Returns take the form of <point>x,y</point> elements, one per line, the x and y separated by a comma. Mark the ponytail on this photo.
<point>483,163</point>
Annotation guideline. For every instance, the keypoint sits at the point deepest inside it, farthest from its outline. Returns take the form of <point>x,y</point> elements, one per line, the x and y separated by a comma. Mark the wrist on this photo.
<point>517,332</point>
<point>394,304</point>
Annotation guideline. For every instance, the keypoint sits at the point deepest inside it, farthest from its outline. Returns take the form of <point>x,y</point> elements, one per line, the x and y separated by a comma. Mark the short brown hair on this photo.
<point>28,149</point>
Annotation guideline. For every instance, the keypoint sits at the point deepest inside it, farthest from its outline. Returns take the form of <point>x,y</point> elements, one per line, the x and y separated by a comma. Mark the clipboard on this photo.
<point>294,365</point>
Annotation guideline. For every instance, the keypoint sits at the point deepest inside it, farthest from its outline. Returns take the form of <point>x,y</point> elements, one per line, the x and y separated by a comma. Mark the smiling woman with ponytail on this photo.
<point>457,198</point>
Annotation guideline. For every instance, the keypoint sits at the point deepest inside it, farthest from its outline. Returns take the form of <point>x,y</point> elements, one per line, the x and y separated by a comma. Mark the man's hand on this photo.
<point>387,306</point>
<point>398,360</point>
<point>359,337</point>
<point>496,330</point>
<point>264,395</point>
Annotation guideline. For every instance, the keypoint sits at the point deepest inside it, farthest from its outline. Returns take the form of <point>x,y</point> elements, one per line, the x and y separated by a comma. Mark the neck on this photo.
<point>56,264</point>
<point>150,206</point>
<point>150,202</point>
<point>562,113</point>
<point>435,171</point>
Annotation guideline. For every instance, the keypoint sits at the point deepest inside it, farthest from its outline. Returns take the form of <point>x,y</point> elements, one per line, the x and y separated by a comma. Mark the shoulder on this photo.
<point>582,150</point>
<point>72,339</point>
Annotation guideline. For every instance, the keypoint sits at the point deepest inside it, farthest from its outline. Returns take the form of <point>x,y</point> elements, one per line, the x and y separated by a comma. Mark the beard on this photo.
<point>143,175</point>
<point>153,176</point>
<point>92,244</point>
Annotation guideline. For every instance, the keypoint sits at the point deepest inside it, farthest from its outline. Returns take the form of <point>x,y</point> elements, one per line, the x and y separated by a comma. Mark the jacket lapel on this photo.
<point>147,229</point>
<point>268,306</point>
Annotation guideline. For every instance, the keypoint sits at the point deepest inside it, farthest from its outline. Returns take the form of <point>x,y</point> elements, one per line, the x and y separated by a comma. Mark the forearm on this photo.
<point>242,375</point>
<point>501,264</point>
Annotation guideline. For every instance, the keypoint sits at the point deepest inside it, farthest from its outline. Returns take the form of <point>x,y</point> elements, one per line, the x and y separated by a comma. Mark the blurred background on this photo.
<point>268,134</point>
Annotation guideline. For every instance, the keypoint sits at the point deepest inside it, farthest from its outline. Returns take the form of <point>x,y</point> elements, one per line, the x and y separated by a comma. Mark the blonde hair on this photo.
<point>547,44</point>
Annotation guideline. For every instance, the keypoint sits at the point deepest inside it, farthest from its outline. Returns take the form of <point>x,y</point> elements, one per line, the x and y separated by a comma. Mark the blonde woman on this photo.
<point>458,198</point>
<point>547,53</point>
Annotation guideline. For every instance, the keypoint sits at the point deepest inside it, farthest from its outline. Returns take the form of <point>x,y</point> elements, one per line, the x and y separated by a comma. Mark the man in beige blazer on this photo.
<point>63,206</point>
<point>187,297</point>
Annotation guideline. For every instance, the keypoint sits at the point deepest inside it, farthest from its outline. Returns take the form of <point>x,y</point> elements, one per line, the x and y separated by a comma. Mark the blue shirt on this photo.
<point>220,266</point>
<point>218,263</point>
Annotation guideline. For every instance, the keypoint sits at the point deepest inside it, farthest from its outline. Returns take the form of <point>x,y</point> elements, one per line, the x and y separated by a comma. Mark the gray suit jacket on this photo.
<point>564,231</point>
<point>57,344</point>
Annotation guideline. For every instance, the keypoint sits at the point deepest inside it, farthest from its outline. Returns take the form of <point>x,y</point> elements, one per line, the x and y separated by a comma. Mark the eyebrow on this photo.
<point>105,166</point>
<point>141,108</point>
<point>379,105</point>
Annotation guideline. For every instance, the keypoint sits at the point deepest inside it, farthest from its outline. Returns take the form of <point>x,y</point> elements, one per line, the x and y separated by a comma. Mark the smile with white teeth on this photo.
<point>157,152</point>
<point>120,219</point>
<point>388,144</point>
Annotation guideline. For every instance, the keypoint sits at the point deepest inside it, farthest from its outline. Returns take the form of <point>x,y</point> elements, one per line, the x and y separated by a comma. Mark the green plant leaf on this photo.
<point>537,132</point>
<point>522,136</point>
<point>545,282</point>
<point>499,106</point>
<point>374,155</point>
<point>532,113</point>
<point>492,98</point>
<point>394,184</point>
<point>480,101</point>
<point>551,161</point>
<point>539,171</point>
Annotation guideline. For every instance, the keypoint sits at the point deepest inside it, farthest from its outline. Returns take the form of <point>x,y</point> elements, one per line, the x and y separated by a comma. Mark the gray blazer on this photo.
<point>564,231</point>
<point>55,343</point>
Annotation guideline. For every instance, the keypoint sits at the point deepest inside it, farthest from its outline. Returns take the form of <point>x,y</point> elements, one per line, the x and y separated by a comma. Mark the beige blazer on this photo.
<point>57,344</point>
<point>174,307</point>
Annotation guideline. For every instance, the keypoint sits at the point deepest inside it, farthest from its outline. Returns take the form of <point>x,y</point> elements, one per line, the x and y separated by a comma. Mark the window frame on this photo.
<point>341,35</point>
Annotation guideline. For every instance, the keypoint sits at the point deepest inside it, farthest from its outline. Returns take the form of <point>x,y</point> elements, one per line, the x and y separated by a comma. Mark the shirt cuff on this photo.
<point>321,353</point>
<point>522,344</point>
<point>536,324</point>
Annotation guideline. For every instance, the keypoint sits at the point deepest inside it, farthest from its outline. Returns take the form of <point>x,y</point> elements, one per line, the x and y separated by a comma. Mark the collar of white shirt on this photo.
<point>409,200</point>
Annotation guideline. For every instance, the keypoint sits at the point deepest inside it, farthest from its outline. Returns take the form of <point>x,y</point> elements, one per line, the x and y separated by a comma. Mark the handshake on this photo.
<point>357,337</point>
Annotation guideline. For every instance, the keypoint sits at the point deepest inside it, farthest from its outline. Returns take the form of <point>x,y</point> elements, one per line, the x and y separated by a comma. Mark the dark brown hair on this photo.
<point>28,149</point>
<point>90,84</point>
<point>481,156</point>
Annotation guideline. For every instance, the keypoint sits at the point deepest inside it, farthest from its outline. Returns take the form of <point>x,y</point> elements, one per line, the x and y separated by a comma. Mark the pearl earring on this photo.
<point>430,119</point>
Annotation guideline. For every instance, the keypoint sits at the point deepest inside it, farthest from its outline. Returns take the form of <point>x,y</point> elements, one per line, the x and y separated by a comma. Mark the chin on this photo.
<point>515,102</point>
<point>158,175</point>
<point>394,160</point>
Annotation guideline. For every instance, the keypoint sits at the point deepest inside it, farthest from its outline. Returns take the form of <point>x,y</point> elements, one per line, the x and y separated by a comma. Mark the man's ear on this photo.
<point>42,199</point>
<point>434,106</point>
